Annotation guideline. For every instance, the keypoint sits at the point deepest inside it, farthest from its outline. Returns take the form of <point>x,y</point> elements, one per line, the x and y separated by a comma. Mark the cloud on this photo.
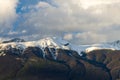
<point>85,38</point>
<point>7,14</point>
<point>92,3</point>
<point>68,36</point>
<point>81,20</point>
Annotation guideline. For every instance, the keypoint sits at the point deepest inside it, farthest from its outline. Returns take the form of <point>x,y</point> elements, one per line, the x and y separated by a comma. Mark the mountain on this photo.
<point>18,45</point>
<point>14,40</point>
<point>56,43</point>
<point>57,59</point>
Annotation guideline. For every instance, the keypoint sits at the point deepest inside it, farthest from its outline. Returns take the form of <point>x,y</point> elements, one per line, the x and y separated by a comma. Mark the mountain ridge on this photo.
<point>56,43</point>
<point>38,60</point>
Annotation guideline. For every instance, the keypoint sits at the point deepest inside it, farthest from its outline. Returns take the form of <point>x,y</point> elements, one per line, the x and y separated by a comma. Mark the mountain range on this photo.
<point>57,59</point>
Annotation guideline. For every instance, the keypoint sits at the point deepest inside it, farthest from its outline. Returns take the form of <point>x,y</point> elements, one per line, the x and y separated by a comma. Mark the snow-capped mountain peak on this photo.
<point>54,43</point>
<point>115,44</point>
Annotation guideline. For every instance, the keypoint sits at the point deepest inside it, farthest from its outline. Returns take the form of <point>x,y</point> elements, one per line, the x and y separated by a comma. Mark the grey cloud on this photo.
<point>96,23</point>
<point>85,38</point>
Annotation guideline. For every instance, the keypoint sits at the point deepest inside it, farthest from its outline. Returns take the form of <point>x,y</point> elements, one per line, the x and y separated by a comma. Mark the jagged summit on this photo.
<point>54,43</point>
<point>14,40</point>
<point>116,44</point>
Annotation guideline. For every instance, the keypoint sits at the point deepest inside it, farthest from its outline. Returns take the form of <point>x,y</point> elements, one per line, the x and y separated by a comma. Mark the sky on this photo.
<point>78,21</point>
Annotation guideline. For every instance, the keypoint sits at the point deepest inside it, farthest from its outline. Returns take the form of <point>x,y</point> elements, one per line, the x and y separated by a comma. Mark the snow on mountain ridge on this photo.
<point>14,40</point>
<point>53,43</point>
<point>58,43</point>
<point>46,42</point>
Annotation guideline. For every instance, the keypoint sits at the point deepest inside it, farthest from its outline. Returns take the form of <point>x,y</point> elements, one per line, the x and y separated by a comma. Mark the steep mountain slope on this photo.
<point>111,59</point>
<point>56,59</point>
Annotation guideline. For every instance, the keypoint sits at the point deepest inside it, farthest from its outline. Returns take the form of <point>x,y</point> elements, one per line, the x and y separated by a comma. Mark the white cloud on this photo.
<point>7,13</point>
<point>85,38</point>
<point>93,3</point>
<point>90,37</point>
<point>68,36</point>
<point>42,5</point>
<point>93,20</point>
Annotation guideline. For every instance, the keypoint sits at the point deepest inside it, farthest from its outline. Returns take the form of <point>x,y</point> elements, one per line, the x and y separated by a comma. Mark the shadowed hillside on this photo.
<point>31,65</point>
